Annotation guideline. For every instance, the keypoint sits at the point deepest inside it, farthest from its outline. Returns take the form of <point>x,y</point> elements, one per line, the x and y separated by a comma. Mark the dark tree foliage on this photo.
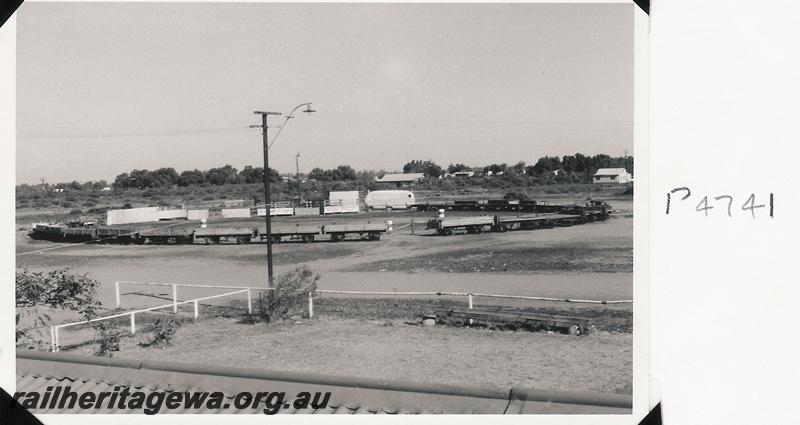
<point>57,289</point>
<point>340,173</point>
<point>168,177</point>
<point>191,178</point>
<point>454,168</point>
<point>429,168</point>
<point>222,175</point>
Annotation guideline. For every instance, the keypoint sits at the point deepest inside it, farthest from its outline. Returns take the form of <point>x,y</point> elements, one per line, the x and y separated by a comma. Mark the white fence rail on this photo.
<point>468,295</point>
<point>175,287</point>
<point>55,330</point>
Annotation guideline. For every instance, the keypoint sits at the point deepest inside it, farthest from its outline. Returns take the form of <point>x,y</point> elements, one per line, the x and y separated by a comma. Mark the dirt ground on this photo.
<point>591,261</point>
<point>393,349</point>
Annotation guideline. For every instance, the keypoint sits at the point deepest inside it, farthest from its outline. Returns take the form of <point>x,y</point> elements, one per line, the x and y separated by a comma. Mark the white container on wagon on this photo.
<point>384,199</point>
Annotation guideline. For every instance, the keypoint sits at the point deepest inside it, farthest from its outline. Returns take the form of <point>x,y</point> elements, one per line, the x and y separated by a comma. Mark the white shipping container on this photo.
<point>132,215</point>
<point>171,214</point>
<point>262,212</point>
<point>196,214</point>
<point>236,213</point>
<point>346,198</point>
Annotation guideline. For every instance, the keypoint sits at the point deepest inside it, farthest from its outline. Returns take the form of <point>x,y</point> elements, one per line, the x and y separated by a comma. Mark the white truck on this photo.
<point>389,199</point>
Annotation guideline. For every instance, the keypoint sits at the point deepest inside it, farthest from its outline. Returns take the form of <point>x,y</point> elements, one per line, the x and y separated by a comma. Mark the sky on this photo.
<point>104,88</point>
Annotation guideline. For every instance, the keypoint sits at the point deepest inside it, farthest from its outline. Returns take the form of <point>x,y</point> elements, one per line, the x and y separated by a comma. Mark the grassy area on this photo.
<point>396,349</point>
<point>574,258</point>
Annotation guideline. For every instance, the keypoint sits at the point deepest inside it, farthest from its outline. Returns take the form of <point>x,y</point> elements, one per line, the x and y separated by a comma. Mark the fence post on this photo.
<point>249,302</point>
<point>310,305</point>
<point>175,298</point>
<point>469,296</point>
<point>55,337</point>
<point>116,290</point>
<point>412,225</point>
<point>196,311</point>
<point>52,338</point>
<point>133,324</point>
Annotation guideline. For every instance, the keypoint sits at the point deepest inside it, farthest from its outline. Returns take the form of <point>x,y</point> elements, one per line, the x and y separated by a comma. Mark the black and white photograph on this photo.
<point>330,208</point>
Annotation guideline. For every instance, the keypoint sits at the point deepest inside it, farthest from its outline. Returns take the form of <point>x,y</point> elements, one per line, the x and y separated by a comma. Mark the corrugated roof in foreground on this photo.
<point>38,370</point>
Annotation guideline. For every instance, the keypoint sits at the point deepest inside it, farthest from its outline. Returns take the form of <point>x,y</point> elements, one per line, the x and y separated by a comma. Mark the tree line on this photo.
<point>584,165</point>
<point>166,177</point>
<point>567,168</point>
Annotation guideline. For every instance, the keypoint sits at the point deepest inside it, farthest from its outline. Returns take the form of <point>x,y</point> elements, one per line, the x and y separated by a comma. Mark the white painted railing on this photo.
<point>469,295</point>
<point>55,330</point>
<point>175,287</point>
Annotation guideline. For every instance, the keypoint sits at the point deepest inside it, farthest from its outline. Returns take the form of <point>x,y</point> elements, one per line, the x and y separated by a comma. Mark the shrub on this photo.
<point>57,289</point>
<point>289,296</point>
<point>76,212</point>
<point>163,332</point>
<point>107,336</point>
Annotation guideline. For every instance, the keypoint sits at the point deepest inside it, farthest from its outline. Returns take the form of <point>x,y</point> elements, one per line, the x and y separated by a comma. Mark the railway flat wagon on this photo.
<point>446,227</point>
<point>168,236</point>
<point>215,235</point>
<point>537,221</point>
<point>305,233</point>
<point>368,231</point>
<point>78,234</point>
<point>116,235</point>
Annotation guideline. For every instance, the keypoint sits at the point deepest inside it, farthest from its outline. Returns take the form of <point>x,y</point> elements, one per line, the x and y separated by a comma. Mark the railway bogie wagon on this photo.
<point>215,235</point>
<point>167,236</point>
<point>368,231</point>
<point>305,233</point>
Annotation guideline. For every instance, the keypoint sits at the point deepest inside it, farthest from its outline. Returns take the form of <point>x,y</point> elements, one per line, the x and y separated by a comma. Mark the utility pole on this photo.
<point>297,173</point>
<point>267,198</point>
<point>626,160</point>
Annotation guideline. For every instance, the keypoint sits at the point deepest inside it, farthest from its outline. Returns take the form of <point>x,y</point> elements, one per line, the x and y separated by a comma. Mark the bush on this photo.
<point>107,336</point>
<point>76,212</point>
<point>289,296</point>
<point>57,289</point>
<point>163,332</point>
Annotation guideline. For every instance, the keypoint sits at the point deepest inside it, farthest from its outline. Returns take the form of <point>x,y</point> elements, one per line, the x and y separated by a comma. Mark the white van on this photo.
<point>385,199</point>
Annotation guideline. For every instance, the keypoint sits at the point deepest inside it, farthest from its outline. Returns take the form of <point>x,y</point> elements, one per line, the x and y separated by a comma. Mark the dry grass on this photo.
<point>395,350</point>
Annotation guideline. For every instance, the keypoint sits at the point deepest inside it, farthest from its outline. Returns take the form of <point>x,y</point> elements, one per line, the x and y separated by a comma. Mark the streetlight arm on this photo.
<point>289,116</point>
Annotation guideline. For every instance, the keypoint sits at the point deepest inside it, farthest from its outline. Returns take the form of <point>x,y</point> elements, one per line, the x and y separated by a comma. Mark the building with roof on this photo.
<point>612,175</point>
<point>39,371</point>
<point>401,179</point>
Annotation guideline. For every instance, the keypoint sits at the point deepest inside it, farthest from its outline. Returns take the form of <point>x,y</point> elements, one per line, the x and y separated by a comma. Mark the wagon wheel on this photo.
<point>375,236</point>
<point>308,238</point>
<point>575,330</point>
<point>337,237</point>
<point>275,238</point>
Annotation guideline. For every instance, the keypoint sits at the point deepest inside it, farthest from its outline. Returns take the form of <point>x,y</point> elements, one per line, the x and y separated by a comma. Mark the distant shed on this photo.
<point>612,175</point>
